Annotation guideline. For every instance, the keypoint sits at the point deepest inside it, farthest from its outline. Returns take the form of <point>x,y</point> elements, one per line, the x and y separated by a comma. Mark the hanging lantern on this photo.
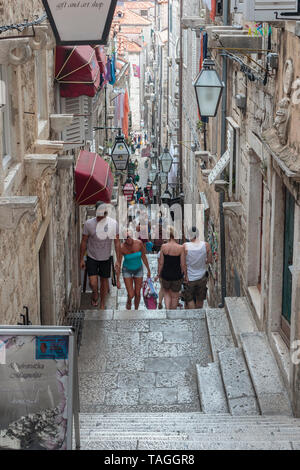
<point>166,161</point>
<point>209,88</point>
<point>120,153</point>
<point>78,23</point>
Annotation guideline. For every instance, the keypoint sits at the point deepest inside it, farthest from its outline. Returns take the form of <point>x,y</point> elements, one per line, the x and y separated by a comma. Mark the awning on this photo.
<point>77,70</point>
<point>93,179</point>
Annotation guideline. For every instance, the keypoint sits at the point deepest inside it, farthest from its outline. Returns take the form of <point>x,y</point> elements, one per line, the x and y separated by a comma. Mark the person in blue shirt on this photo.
<point>133,254</point>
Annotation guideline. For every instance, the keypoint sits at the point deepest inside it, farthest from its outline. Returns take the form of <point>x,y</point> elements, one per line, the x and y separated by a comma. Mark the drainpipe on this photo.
<point>181,119</point>
<point>223,145</point>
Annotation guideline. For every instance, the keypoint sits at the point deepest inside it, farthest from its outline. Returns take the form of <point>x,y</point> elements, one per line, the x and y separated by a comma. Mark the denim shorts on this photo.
<point>128,273</point>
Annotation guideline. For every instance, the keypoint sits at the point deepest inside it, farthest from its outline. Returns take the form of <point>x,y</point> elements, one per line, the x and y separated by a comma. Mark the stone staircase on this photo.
<point>244,373</point>
<point>184,379</point>
<point>188,431</point>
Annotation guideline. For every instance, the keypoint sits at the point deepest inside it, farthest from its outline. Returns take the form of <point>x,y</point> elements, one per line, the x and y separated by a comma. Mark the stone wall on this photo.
<point>50,184</point>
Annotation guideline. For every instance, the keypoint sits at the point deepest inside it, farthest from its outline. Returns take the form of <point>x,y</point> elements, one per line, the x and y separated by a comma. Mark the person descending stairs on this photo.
<point>180,379</point>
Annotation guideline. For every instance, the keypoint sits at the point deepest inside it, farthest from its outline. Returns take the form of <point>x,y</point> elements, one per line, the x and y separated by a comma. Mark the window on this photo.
<point>185,47</point>
<point>41,91</point>
<point>5,118</point>
<point>233,147</point>
<point>171,18</point>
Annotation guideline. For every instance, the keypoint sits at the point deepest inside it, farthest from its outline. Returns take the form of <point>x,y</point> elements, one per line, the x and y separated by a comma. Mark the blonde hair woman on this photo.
<point>172,270</point>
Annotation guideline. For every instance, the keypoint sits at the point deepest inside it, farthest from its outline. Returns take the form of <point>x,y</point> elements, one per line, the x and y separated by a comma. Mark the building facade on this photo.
<point>246,168</point>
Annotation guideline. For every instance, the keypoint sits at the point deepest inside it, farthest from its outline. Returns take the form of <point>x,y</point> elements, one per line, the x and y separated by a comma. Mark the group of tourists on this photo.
<point>182,268</point>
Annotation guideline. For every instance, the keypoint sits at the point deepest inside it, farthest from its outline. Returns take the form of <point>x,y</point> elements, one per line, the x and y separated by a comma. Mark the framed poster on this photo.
<point>39,395</point>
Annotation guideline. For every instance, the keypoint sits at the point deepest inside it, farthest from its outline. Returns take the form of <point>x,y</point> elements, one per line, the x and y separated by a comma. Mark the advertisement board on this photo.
<point>38,388</point>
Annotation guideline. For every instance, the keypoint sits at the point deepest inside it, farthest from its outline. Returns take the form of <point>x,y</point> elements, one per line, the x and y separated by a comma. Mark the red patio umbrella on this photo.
<point>93,179</point>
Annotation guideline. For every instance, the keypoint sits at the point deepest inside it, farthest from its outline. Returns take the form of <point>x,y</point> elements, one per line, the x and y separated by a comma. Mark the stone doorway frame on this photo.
<point>255,256</point>
<point>46,236</point>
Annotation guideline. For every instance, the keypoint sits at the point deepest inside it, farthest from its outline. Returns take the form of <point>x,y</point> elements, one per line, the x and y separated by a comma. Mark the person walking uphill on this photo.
<point>172,270</point>
<point>198,254</point>
<point>134,254</point>
<point>98,235</point>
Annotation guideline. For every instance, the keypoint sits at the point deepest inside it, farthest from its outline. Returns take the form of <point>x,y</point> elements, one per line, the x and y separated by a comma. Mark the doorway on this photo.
<point>287,265</point>
<point>46,286</point>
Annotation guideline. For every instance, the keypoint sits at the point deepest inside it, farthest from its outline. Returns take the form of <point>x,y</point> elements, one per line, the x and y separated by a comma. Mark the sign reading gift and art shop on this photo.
<point>78,22</point>
<point>37,393</point>
<point>128,191</point>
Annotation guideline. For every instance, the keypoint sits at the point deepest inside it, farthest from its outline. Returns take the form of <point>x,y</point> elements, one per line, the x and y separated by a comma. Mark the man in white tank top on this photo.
<point>198,255</point>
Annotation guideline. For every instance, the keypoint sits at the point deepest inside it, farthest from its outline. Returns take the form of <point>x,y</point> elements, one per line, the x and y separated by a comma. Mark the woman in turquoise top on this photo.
<point>134,254</point>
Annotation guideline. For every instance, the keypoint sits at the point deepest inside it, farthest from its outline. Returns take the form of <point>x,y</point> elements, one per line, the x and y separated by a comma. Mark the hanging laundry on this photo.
<point>108,69</point>
<point>126,115</point>
<point>136,71</point>
<point>113,69</point>
<point>213,10</point>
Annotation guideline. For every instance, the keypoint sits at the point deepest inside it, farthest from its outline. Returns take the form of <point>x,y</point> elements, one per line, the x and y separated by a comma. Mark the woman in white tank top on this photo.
<point>198,255</point>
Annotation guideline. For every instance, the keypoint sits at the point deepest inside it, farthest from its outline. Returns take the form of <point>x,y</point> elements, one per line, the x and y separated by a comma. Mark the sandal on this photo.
<point>94,302</point>
<point>160,306</point>
<point>128,304</point>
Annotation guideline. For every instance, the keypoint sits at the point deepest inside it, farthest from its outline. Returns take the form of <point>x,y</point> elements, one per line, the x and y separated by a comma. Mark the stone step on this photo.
<point>219,331</point>
<point>112,314</point>
<point>211,389</point>
<point>214,435</point>
<point>211,445</point>
<point>193,417</point>
<point>252,428</point>
<point>240,317</point>
<point>238,386</point>
<point>187,445</point>
<point>265,374</point>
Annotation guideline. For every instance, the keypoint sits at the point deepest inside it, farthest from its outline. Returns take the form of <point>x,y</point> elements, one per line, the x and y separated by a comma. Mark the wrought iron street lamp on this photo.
<point>208,87</point>
<point>78,23</point>
<point>120,153</point>
<point>166,161</point>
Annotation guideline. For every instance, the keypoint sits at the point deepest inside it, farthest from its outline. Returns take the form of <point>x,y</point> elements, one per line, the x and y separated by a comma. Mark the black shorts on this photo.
<point>98,268</point>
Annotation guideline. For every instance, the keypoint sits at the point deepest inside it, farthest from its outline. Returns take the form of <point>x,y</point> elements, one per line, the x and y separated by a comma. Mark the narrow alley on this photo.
<point>149,143</point>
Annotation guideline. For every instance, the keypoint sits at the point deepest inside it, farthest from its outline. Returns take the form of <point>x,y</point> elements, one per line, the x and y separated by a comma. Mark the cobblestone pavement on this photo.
<point>141,360</point>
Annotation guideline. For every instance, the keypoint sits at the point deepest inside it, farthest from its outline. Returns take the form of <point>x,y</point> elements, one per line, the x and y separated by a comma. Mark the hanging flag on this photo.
<point>112,70</point>
<point>136,71</point>
<point>108,70</point>
<point>213,10</point>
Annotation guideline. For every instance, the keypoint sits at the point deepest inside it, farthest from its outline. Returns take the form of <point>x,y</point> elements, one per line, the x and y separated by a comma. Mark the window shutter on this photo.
<point>74,134</point>
<point>194,56</point>
<point>87,110</point>
<point>81,128</point>
<point>267,10</point>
